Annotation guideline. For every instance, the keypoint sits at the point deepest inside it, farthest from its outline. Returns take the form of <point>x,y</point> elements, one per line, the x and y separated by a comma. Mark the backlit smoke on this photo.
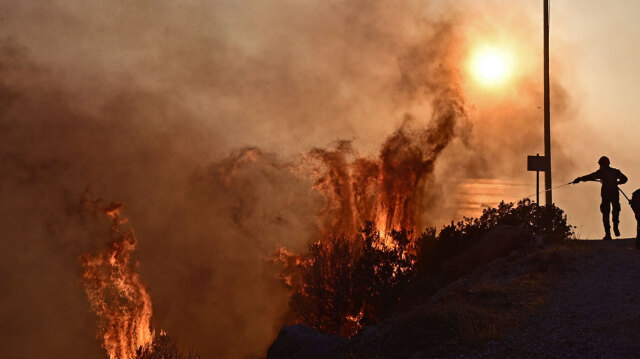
<point>388,190</point>
<point>230,129</point>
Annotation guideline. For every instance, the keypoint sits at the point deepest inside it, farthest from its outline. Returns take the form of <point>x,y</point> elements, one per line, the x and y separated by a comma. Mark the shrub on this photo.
<point>455,238</point>
<point>343,284</point>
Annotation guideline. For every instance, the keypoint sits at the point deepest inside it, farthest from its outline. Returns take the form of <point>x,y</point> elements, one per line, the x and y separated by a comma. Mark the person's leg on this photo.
<point>615,211</point>
<point>615,202</point>
<point>605,208</point>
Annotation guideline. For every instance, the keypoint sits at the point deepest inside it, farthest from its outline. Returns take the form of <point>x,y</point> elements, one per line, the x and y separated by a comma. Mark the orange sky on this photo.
<point>594,50</point>
<point>602,39</point>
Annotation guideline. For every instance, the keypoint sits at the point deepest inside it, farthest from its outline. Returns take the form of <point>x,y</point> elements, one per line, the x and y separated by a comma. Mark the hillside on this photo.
<point>594,311</point>
<point>574,300</point>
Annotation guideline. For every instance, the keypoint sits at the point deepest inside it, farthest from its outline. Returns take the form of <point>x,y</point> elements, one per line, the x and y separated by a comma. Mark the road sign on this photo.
<point>537,163</point>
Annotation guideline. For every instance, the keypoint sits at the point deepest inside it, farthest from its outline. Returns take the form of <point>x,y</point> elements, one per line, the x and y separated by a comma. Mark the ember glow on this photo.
<point>116,293</point>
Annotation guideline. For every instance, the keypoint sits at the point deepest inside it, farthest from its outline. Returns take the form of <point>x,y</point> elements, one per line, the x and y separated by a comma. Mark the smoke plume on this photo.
<point>229,129</point>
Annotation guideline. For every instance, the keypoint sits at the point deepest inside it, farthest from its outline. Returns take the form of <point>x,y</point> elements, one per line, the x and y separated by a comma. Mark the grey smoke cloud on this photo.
<point>151,103</point>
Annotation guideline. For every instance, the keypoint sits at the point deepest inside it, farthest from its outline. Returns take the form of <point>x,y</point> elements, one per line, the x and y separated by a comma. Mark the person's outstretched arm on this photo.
<point>590,177</point>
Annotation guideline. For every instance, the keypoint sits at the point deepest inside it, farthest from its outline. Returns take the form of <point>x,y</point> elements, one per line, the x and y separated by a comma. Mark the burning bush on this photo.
<point>118,296</point>
<point>116,292</point>
<point>343,284</point>
<point>163,347</point>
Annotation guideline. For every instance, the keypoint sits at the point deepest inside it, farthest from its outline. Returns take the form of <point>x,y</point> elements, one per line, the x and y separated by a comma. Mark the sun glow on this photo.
<point>490,66</point>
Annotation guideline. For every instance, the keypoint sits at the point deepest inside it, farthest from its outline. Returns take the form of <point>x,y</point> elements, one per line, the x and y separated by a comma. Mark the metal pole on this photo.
<point>538,188</point>
<point>547,107</point>
<point>538,185</point>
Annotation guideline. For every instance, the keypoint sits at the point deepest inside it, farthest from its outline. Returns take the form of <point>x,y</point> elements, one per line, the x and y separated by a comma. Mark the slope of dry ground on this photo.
<point>593,311</point>
<point>576,300</point>
<point>473,310</point>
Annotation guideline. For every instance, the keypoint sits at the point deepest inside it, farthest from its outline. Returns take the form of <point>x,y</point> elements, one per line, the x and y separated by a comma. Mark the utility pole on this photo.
<point>547,108</point>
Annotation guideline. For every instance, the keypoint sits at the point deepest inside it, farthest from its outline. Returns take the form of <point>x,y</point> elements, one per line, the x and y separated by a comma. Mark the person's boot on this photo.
<point>616,231</point>
<point>607,230</point>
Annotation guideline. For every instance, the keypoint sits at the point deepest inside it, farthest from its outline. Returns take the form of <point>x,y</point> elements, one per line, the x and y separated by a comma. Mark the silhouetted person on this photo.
<point>610,178</point>
<point>635,205</point>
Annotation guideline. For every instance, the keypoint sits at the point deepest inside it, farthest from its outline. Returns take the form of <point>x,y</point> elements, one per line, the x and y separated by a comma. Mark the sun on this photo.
<point>490,66</point>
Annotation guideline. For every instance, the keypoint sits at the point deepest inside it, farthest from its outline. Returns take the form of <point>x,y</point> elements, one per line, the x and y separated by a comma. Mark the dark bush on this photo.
<point>455,238</point>
<point>343,284</point>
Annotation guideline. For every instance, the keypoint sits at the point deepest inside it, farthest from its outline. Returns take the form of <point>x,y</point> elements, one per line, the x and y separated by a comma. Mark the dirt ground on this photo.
<point>593,311</point>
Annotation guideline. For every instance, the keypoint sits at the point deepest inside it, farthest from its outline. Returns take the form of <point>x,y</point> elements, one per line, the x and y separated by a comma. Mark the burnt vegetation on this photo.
<point>343,284</point>
<point>164,347</point>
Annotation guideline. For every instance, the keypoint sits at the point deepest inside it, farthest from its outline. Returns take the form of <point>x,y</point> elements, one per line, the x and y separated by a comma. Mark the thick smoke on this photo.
<point>156,104</point>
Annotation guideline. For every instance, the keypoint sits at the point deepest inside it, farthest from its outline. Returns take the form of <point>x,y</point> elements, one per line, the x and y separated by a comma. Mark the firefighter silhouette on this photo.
<point>635,205</point>
<point>610,178</point>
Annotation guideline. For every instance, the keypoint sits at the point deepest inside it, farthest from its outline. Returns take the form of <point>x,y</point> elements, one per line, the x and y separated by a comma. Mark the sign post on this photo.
<point>537,163</point>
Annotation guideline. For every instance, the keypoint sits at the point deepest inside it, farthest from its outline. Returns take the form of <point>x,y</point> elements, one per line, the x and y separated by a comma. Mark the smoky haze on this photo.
<point>196,115</point>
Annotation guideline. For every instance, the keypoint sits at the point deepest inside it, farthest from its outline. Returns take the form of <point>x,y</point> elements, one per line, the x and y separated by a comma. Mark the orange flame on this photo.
<point>116,293</point>
<point>387,190</point>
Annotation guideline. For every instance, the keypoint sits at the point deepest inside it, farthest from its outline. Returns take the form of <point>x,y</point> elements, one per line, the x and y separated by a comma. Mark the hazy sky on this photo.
<point>598,44</point>
<point>595,52</point>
